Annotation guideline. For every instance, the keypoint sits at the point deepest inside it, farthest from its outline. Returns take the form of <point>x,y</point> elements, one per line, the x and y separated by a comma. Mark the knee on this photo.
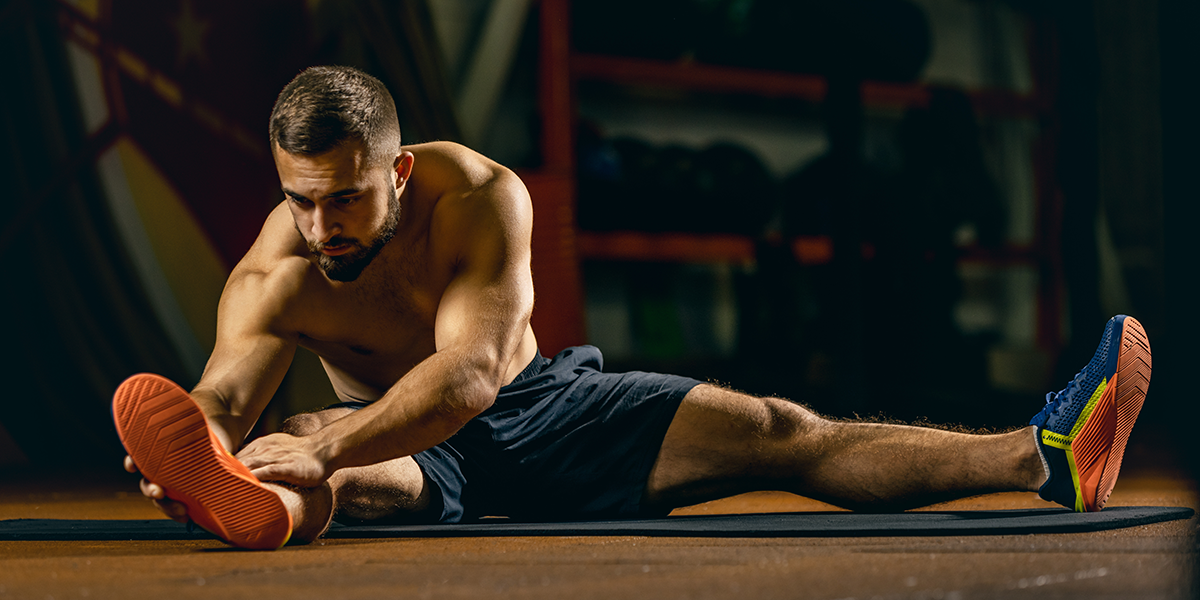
<point>758,421</point>
<point>302,424</point>
<point>783,421</point>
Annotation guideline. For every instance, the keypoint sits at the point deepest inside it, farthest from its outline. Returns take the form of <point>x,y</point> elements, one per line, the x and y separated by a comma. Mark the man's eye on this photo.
<point>299,201</point>
<point>346,200</point>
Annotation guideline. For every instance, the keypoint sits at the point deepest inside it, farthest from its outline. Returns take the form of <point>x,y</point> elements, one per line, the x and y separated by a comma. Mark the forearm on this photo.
<point>229,427</point>
<point>427,406</point>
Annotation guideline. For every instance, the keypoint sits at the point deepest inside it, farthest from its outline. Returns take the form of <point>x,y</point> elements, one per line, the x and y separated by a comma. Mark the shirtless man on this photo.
<point>406,269</point>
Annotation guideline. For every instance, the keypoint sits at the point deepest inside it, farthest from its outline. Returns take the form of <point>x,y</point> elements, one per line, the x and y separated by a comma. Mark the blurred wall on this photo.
<point>166,103</point>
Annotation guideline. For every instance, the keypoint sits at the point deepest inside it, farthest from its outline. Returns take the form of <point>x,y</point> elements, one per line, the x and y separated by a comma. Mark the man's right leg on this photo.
<point>722,442</point>
<point>391,491</point>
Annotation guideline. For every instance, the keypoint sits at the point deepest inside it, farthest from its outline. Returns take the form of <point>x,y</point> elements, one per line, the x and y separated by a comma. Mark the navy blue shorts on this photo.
<point>562,441</point>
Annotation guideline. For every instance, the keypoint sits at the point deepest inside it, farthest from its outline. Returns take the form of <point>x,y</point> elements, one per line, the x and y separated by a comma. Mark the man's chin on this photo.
<point>344,271</point>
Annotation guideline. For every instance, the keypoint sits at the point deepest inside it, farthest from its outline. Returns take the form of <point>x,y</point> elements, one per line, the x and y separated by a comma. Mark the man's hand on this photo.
<point>177,511</point>
<point>286,458</point>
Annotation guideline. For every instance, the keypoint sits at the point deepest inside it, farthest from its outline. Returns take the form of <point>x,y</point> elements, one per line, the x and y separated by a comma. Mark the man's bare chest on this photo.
<point>357,329</point>
<point>375,333</point>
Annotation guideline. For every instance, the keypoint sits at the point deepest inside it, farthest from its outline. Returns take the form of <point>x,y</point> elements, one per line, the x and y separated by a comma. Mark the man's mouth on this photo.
<point>336,250</point>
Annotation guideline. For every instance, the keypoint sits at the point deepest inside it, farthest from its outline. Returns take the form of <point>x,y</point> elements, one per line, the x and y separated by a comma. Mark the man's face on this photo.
<point>346,209</point>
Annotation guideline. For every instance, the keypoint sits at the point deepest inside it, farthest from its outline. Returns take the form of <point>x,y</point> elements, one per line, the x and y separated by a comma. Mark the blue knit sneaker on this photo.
<point>1083,429</point>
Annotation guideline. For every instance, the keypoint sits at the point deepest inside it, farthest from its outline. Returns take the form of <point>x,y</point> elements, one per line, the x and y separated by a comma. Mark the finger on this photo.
<point>258,457</point>
<point>273,473</point>
<point>268,473</point>
<point>251,462</point>
<point>177,511</point>
<point>247,453</point>
<point>153,490</point>
<point>129,466</point>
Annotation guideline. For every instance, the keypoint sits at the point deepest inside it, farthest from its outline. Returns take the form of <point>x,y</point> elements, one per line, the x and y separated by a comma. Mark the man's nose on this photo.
<point>325,225</point>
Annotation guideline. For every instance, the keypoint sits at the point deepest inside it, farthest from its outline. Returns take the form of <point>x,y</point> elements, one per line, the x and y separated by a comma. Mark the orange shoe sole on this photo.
<point>1100,445</point>
<point>167,436</point>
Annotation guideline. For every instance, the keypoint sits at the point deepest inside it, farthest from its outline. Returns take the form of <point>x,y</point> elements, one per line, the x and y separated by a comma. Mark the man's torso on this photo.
<point>370,332</point>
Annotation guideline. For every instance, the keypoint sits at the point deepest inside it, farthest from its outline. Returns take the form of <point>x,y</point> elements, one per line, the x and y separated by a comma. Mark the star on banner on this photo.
<point>190,30</point>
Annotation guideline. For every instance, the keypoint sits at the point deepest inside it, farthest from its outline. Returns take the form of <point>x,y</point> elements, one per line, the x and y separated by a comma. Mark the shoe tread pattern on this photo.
<point>1099,447</point>
<point>166,434</point>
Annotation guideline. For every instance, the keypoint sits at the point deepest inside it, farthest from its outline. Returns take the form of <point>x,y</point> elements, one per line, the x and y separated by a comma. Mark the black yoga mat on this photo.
<point>804,524</point>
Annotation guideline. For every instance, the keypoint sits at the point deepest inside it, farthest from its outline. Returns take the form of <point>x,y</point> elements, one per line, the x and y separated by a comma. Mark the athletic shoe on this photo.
<point>1083,429</point>
<point>168,438</point>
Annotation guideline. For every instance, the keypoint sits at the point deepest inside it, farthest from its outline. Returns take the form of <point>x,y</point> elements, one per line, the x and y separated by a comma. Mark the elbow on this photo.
<point>475,376</point>
<point>480,399</point>
<point>488,371</point>
<point>476,409</point>
<point>474,392</point>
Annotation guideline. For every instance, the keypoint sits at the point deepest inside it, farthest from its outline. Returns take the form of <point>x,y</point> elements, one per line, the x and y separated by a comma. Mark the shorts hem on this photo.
<point>671,407</point>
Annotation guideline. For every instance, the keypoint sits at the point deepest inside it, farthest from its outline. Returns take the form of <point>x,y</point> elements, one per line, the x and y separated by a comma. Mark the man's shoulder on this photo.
<point>467,191</point>
<point>278,262</point>
<point>500,204</point>
<point>271,294</point>
<point>441,149</point>
<point>454,168</point>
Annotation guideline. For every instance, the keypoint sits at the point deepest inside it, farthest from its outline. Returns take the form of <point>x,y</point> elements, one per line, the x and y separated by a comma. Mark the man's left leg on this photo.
<point>723,442</point>
<point>170,443</point>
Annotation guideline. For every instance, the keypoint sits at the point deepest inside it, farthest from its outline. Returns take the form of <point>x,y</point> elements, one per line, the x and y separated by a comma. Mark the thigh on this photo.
<point>723,442</point>
<point>579,446</point>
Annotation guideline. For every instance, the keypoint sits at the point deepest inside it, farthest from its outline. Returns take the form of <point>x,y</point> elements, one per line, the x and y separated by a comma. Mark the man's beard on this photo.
<point>348,266</point>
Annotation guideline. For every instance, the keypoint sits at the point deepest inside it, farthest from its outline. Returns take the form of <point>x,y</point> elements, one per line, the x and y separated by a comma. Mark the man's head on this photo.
<point>336,141</point>
<point>326,107</point>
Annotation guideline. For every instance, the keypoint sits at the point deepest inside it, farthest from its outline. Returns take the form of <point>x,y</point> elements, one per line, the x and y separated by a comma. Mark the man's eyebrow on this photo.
<point>337,194</point>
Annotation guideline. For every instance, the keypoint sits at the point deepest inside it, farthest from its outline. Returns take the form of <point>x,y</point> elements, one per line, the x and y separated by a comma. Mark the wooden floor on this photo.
<point>1154,561</point>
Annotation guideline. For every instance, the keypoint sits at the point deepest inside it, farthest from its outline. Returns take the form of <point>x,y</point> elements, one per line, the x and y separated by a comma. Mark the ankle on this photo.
<point>311,509</point>
<point>1036,468</point>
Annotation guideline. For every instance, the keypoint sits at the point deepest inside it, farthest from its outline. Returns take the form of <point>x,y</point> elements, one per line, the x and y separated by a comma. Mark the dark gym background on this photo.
<point>842,277</point>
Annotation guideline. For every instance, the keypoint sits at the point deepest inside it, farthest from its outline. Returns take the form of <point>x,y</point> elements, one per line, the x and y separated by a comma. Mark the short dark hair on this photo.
<point>327,106</point>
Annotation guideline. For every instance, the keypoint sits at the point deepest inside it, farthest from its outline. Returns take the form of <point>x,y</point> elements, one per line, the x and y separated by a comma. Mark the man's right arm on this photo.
<point>253,350</point>
<point>254,347</point>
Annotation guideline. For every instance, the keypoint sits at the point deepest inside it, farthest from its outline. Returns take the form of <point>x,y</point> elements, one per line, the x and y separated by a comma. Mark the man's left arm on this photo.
<point>482,318</point>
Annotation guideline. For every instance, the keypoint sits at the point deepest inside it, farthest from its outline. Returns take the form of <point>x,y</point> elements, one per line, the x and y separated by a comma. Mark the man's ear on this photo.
<point>403,166</point>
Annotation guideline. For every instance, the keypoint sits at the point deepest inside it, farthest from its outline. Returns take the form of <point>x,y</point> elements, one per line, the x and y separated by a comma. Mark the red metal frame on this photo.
<point>558,317</point>
<point>724,80</point>
<point>560,69</point>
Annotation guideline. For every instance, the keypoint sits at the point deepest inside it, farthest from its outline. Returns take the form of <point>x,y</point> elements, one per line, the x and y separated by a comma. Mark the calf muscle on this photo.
<point>391,491</point>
